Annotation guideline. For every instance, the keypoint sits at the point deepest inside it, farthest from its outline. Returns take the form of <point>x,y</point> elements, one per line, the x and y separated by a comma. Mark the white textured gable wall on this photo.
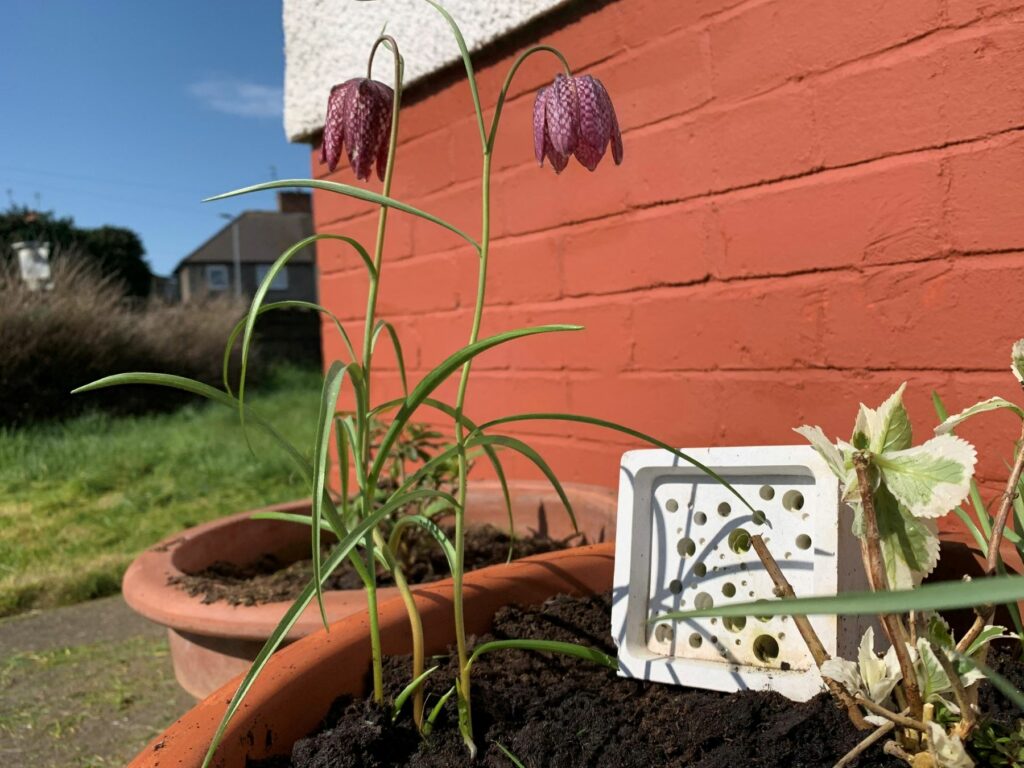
<point>327,42</point>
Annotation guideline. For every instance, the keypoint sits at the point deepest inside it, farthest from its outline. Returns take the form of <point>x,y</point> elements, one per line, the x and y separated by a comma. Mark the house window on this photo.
<point>217,277</point>
<point>280,282</point>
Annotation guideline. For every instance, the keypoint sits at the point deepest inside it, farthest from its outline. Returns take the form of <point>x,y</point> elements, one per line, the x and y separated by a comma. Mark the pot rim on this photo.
<point>301,681</point>
<point>146,589</point>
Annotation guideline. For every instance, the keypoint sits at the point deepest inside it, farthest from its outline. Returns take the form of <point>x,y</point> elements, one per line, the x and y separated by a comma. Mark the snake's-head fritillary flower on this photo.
<point>575,116</point>
<point>358,119</point>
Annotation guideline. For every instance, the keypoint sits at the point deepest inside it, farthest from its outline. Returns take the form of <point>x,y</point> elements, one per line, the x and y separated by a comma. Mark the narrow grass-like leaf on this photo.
<point>584,652</point>
<point>328,402</point>
<point>341,551</point>
<point>408,691</point>
<point>342,440</point>
<point>488,451</point>
<point>927,597</point>
<point>349,191</point>
<point>261,293</point>
<point>430,527</point>
<point>468,63</point>
<point>289,304</point>
<point>507,753</point>
<point>428,724</point>
<point>299,519</point>
<point>627,431</point>
<point>222,398</point>
<point>440,373</point>
<point>523,448</point>
<point>384,325</point>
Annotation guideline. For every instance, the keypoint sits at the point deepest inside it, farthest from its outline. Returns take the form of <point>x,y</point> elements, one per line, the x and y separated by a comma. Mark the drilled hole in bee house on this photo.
<point>664,633</point>
<point>700,570</point>
<point>759,517</point>
<point>729,589</point>
<point>696,641</point>
<point>700,518</point>
<point>686,547</point>
<point>767,492</point>
<point>734,623</point>
<point>725,509</point>
<point>803,541</point>
<point>739,541</point>
<point>675,586</point>
<point>672,505</point>
<point>703,601</point>
<point>766,648</point>
<point>793,501</point>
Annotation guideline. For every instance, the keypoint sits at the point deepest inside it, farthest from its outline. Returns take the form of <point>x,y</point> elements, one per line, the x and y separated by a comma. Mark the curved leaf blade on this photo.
<point>349,191</point>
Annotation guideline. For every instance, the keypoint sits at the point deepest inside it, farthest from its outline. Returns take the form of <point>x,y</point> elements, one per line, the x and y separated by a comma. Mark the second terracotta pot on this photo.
<point>211,643</point>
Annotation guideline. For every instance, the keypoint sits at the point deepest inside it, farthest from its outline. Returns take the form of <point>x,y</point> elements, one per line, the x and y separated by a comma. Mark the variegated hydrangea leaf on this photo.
<point>930,479</point>
<point>948,751</point>
<point>992,404</point>
<point>1017,365</point>
<point>885,429</point>
<point>821,444</point>
<point>878,675</point>
<point>910,547</point>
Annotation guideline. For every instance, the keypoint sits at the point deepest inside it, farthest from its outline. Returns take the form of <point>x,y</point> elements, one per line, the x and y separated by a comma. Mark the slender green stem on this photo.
<point>415,623</point>
<point>508,84</point>
<point>460,435</point>
<point>369,489</point>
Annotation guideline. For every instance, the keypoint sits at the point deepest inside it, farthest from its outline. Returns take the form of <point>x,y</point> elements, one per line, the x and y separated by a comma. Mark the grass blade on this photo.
<point>430,527</point>
<point>547,646</point>
<point>927,597</point>
<point>349,191</point>
<point>523,448</point>
<point>408,691</point>
<point>441,372</point>
<point>289,304</point>
<point>343,549</point>
<point>507,753</point>
<point>627,431</point>
<point>384,325</point>
<point>328,402</point>
<point>428,724</point>
<point>467,61</point>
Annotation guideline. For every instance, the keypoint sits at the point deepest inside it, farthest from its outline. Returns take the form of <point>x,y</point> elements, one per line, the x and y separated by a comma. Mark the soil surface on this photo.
<point>269,580</point>
<point>566,713</point>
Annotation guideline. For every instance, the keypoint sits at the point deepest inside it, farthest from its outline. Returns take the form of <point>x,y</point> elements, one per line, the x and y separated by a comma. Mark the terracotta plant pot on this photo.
<point>210,644</point>
<point>299,683</point>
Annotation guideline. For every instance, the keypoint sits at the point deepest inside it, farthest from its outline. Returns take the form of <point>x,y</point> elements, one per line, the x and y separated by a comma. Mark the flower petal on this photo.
<point>562,115</point>
<point>365,122</point>
<point>334,125</point>
<point>539,114</point>
<point>595,115</point>
<point>558,161</point>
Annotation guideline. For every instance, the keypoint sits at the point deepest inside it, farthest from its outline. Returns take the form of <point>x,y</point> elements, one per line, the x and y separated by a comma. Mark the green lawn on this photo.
<point>79,500</point>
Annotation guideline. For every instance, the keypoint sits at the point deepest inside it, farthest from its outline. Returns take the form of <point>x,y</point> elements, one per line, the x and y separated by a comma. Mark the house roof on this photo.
<point>262,237</point>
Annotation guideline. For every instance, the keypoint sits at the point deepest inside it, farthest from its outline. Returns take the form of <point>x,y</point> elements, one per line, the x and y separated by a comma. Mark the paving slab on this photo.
<point>85,686</point>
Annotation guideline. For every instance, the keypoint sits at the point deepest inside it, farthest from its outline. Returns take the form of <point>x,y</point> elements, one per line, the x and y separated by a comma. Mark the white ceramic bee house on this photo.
<point>683,542</point>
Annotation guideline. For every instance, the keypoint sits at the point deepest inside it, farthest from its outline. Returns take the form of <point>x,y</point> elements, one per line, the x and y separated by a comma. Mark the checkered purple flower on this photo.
<point>358,119</point>
<point>575,116</point>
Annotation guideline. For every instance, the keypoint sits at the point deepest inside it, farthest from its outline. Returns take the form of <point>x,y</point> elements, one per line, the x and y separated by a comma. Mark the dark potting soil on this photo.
<point>269,580</point>
<point>559,712</point>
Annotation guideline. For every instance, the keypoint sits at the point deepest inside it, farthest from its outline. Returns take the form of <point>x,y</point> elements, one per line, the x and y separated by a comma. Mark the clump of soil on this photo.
<point>564,712</point>
<point>269,580</point>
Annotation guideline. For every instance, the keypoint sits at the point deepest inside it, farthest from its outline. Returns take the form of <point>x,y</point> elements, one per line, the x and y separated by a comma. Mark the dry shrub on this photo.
<point>84,328</point>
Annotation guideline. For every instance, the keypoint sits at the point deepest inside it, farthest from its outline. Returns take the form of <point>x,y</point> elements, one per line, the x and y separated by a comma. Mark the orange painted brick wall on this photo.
<point>820,199</point>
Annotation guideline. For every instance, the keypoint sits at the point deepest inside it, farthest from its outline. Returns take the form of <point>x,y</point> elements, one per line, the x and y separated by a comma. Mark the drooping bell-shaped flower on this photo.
<point>358,119</point>
<point>575,116</point>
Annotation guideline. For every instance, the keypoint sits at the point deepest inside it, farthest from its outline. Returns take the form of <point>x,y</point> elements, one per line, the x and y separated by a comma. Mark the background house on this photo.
<point>819,200</point>
<point>235,261</point>
<point>237,258</point>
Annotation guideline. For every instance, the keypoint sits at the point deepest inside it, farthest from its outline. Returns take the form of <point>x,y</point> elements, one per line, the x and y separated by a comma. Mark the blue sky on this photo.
<point>129,112</point>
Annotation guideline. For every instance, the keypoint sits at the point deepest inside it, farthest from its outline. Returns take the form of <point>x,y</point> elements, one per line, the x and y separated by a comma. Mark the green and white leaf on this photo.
<point>879,675</point>
<point>871,676</point>
<point>931,677</point>
<point>932,478</point>
<point>947,750</point>
<point>987,635</point>
<point>888,428</point>
<point>910,547</point>
<point>1017,365</point>
<point>829,452</point>
<point>992,404</point>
